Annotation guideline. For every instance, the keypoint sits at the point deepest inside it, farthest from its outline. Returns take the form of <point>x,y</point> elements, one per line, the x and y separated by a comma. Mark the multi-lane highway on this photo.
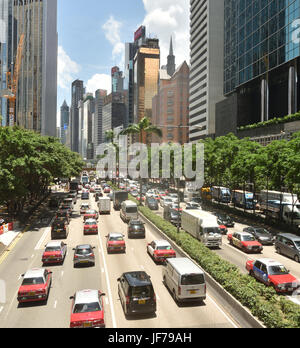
<point>66,280</point>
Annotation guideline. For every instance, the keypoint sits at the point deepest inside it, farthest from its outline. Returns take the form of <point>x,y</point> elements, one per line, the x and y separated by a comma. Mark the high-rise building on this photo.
<point>117,80</point>
<point>77,95</point>
<point>207,65</point>
<point>99,101</point>
<point>262,62</point>
<point>146,78</point>
<point>170,106</point>
<point>64,121</point>
<point>87,109</point>
<point>36,97</point>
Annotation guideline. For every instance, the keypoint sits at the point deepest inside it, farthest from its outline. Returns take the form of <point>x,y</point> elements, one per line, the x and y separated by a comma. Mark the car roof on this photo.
<point>53,244</point>
<point>34,273</point>
<point>91,220</point>
<point>84,246</point>
<point>289,235</point>
<point>138,278</point>
<point>86,296</point>
<point>113,235</point>
<point>269,262</point>
<point>244,233</point>
<point>161,242</point>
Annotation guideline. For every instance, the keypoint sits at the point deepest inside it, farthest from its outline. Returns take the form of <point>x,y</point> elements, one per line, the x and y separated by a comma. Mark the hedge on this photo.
<point>273,310</point>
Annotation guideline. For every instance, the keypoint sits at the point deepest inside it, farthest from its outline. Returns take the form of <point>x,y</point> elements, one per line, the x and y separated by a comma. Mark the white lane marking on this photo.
<point>106,301</point>
<point>1,309</point>
<point>62,273</point>
<point>40,242</point>
<point>225,315</point>
<point>32,256</point>
<point>55,304</point>
<point>102,269</point>
<point>108,284</point>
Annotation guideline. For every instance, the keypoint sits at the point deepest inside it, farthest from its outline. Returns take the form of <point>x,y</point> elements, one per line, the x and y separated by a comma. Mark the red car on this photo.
<point>160,250</point>
<point>35,286</point>
<point>245,241</point>
<point>90,227</point>
<point>55,252</point>
<point>87,310</point>
<point>91,214</point>
<point>223,229</point>
<point>115,243</point>
<point>106,190</point>
<point>273,273</point>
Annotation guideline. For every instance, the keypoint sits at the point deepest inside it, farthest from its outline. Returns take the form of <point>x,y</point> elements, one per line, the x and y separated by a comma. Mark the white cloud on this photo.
<point>166,18</point>
<point>67,69</point>
<point>112,29</point>
<point>99,81</point>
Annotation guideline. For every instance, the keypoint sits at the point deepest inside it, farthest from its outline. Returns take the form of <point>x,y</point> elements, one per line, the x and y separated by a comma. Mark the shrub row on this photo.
<point>272,310</point>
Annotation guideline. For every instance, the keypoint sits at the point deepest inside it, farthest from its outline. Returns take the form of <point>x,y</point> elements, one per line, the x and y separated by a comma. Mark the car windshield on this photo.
<point>90,223</point>
<point>164,247</point>
<point>142,291</point>
<point>116,239</point>
<point>50,249</point>
<point>33,281</point>
<point>87,307</point>
<point>85,251</point>
<point>192,279</point>
<point>152,200</point>
<point>131,210</point>
<point>248,239</point>
<point>262,231</point>
<point>278,270</point>
<point>91,212</point>
<point>85,207</point>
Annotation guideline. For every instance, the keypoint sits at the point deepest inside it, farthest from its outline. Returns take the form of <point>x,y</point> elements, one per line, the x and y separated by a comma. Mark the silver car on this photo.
<point>84,255</point>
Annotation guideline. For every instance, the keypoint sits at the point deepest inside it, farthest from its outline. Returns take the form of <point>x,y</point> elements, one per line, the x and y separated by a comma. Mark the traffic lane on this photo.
<point>169,314</point>
<point>66,280</point>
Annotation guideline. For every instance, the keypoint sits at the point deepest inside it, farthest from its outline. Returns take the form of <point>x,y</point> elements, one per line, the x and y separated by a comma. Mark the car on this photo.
<point>261,235</point>
<point>55,252</point>
<point>63,215</point>
<point>87,309</point>
<point>65,206</point>
<point>273,273</point>
<point>84,207</point>
<point>223,229</point>
<point>35,286</point>
<point>176,207</point>
<point>73,196</point>
<point>166,201</point>
<point>152,203</point>
<point>193,206</point>
<point>84,255</point>
<point>91,214</point>
<point>90,227</point>
<point>138,198</point>
<point>288,244</point>
<point>136,293</point>
<point>136,228</point>
<point>106,189</point>
<point>245,242</point>
<point>160,250</point>
<point>115,243</point>
<point>134,193</point>
<point>85,196</point>
<point>60,228</point>
<point>225,220</point>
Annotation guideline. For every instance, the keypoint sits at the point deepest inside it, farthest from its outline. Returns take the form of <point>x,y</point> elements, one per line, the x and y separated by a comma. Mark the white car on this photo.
<point>84,207</point>
<point>166,201</point>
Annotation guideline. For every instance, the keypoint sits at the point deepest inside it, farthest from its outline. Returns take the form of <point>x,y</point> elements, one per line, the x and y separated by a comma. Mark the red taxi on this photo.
<point>55,252</point>
<point>35,286</point>
<point>245,241</point>
<point>90,227</point>
<point>91,214</point>
<point>160,250</point>
<point>87,309</point>
<point>115,243</point>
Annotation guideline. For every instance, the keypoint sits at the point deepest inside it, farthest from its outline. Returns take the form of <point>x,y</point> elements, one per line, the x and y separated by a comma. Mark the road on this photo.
<point>66,280</point>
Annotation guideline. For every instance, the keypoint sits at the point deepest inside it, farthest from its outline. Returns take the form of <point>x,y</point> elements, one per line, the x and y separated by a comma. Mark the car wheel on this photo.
<point>296,258</point>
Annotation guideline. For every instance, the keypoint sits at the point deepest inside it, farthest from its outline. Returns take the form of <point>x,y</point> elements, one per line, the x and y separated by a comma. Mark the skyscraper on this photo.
<point>77,96</point>
<point>146,78</point>
<point>64,121</point>
<point>207,65</point>
<point>117,80</point>
<point>36,96</point>
<point>99,101</point>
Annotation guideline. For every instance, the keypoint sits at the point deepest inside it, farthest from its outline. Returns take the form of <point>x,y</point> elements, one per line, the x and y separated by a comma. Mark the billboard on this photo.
<point>141,32</point>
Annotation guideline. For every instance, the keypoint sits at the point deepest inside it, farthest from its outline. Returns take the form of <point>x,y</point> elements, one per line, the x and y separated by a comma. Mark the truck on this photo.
<point>280,205</point>
<point>118,198</point>
<point>104,205</point>
<point>221,194</point>
<point>243,199</point>
<point>203,226</point>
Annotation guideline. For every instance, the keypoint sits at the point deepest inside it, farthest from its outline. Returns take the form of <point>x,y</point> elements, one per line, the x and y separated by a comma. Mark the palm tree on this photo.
<point>144,127</point>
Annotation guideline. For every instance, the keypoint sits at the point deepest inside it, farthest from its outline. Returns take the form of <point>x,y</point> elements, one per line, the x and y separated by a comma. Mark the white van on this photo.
<point>185,280</point>
<point>129,210</point>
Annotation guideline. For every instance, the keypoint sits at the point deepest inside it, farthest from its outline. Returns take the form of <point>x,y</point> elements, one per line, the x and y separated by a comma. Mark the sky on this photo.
<point>92,34</point>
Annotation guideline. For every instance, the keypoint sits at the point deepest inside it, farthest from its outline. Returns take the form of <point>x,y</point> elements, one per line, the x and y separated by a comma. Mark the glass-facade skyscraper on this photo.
<point>262,49</point>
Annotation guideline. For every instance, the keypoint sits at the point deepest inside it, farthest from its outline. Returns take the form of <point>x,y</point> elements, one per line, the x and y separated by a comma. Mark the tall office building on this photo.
<point>262,62</point>
<point>207,65</point>
<point>99,101</point>
<point>36,97</point>
<point>77,95</point>
<point>117,80</point>
<point>64,121</point>
<point>146,78</point>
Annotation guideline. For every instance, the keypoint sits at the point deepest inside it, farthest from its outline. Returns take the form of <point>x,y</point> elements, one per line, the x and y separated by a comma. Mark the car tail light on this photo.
<point>127,300</point>
<point>154,298</point>
<point>98,322</point>
<point>75,324</point>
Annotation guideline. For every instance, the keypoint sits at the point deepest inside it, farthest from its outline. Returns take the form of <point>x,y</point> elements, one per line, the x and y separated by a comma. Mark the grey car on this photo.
<point>289,245</point>
<point>84,255</point>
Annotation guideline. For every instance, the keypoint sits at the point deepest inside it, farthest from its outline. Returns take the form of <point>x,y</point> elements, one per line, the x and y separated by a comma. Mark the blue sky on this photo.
<point>92,33</point>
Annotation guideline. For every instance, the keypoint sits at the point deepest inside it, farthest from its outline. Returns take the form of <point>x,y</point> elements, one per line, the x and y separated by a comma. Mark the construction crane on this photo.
<point>12,80</point>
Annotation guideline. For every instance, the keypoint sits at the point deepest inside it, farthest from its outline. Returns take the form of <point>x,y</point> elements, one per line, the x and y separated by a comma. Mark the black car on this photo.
<point>59,229</point>
<point>63,215</point>
<point>261,235</point>
<point>136,228</point>
<point>152,203</point>
<point>85,196</point>
<point>136,293</point>
<point>98,195</point>
<point>225,220</point>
